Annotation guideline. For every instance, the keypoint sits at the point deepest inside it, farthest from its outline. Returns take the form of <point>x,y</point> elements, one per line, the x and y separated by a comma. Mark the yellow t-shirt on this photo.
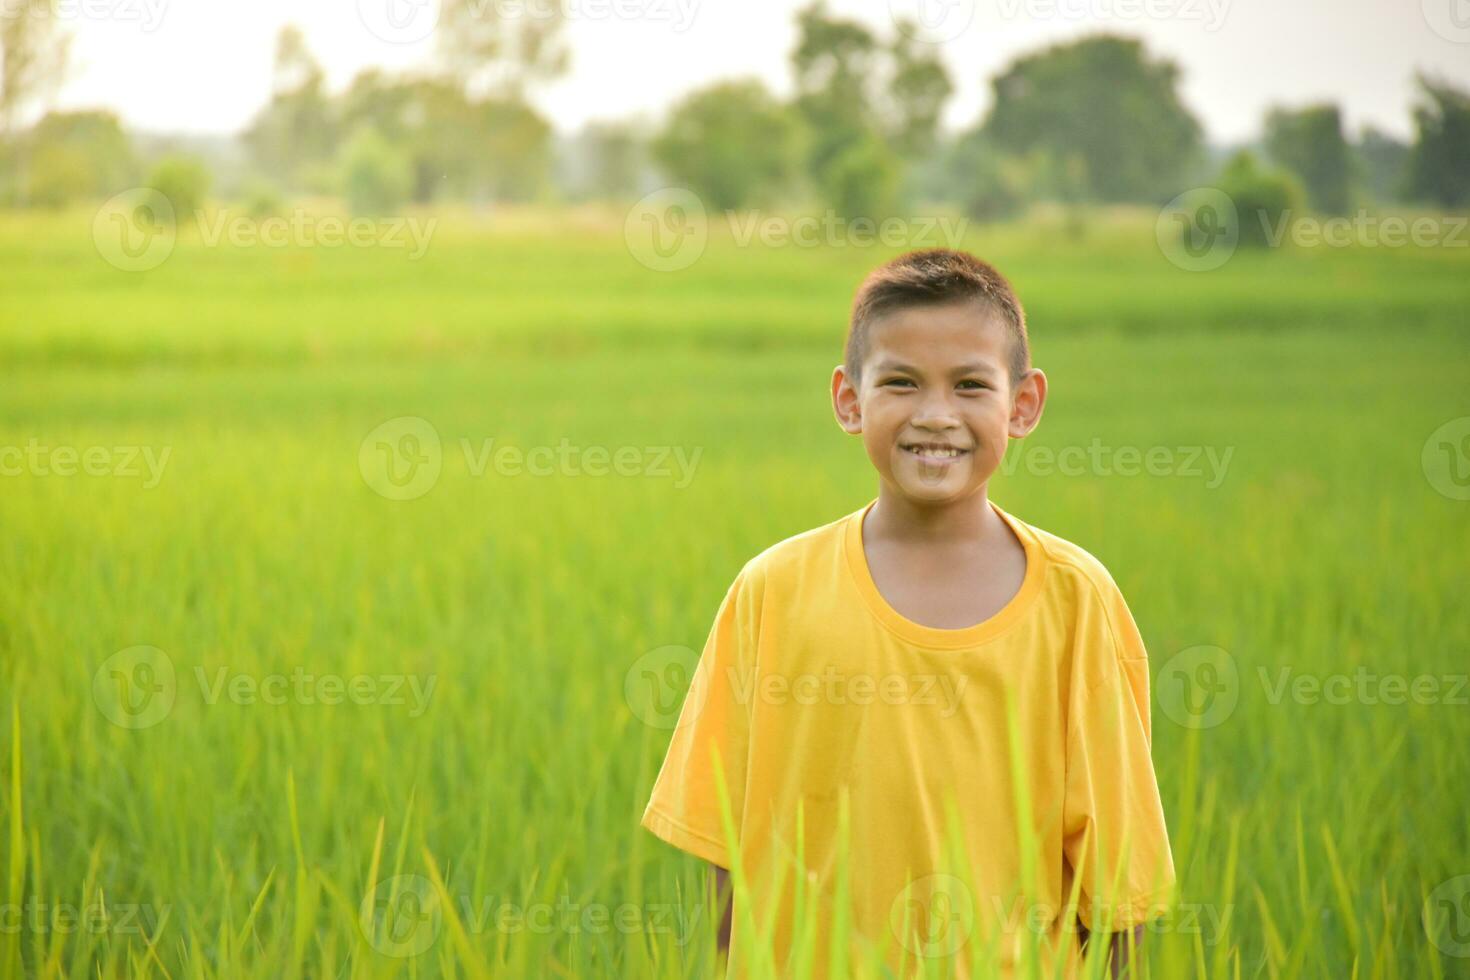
<point>989,779</point>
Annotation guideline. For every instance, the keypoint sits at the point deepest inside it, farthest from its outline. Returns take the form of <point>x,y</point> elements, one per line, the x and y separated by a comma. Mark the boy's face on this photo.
<point>935,403</point>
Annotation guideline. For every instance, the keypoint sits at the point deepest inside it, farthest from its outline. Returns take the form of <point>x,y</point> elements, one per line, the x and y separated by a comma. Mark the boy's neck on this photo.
<point>897,518</point>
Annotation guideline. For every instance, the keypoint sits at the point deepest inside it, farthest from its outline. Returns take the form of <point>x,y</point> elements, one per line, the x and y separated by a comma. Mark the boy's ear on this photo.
<point>845,404</point>
<point>1027,403</point>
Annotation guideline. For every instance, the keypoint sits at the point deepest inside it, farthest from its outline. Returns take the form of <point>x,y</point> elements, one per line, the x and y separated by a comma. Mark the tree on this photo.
<point>429,121</point>
<point>835,63</point>
<point>298,129</point>
<point>77,155</point>
<point>1310,143</point>
<point>33,56</point>
<point>871,108</point>
<point>1439,161</point>
<point>1105,103</point>
<point>917,93</point>
<point>58,176</point>
<point>184,181</point>
<point>262,199</point>
<point>375,177</point>
<point>1264,199</point>
<point>862,181</point>
<point>988,185</point>
<point>1383,162</point>
<point>495,54</point>
<point>733,144</point>
<point>515,149</point>
<point>501,52</point>
<point>455,147</point>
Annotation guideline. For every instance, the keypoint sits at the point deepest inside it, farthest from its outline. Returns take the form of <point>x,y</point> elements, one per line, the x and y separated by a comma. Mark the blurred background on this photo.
<point>391,389</point>
<point>868,109</point>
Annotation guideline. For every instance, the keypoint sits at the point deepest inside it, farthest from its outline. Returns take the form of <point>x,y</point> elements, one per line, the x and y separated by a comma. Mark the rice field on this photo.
<point>323,571</point>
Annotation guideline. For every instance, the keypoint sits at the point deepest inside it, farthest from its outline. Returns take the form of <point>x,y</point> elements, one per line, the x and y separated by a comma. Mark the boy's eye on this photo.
<point>897,381</point>
<point>974,385</point>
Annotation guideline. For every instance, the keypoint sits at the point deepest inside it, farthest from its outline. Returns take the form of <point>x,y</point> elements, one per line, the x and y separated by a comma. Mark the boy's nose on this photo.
<point>936,419</point>
<point>935,413</point>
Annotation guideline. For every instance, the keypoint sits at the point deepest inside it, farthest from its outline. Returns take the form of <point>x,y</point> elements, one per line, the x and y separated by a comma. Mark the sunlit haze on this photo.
<point>204,66</point>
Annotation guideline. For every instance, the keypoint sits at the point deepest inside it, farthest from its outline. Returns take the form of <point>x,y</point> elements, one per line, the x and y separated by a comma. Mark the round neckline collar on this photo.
<point>932,636</point>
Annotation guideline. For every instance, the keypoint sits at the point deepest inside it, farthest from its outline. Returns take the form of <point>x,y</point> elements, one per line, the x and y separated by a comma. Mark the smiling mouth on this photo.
<point>934,451</point>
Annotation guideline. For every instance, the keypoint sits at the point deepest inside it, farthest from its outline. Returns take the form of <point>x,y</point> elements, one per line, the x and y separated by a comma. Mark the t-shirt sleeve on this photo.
<point>685,808</point>
<point>1114,836</point>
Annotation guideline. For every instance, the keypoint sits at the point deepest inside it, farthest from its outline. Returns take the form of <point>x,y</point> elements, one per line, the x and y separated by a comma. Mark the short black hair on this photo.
<point>934,277</point>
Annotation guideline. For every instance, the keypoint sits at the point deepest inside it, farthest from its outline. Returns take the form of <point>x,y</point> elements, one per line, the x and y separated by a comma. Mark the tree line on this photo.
<point>1094,120</point>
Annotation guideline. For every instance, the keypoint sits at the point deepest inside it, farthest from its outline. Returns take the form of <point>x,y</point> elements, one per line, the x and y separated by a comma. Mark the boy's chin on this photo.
<point>925,487</point>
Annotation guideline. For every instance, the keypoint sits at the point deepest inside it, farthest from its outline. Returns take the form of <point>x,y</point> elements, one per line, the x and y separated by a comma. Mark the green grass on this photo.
<point>565,282</point>
<point>245,837</point>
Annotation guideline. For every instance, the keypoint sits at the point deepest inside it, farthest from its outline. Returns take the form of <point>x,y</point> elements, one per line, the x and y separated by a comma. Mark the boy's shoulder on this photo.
<point>793,554</point>
<point>1073,560</point>
<point>1083,591</point>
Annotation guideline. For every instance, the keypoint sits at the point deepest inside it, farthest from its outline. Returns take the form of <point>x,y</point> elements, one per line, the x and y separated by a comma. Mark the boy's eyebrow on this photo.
<point>888,364</point>
<point>973,367</point>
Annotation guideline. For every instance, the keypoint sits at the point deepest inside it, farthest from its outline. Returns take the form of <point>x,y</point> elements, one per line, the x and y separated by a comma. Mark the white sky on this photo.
<point>205,64</point>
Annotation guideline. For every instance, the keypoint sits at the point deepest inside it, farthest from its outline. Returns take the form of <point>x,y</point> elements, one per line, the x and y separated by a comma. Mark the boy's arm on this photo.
<point>1113,813</point>
<point>1123,950</point>
<point>724,902</point>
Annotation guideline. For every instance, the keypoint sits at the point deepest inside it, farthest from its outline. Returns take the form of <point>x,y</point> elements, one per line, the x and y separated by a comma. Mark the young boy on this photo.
<point>929,700</point>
